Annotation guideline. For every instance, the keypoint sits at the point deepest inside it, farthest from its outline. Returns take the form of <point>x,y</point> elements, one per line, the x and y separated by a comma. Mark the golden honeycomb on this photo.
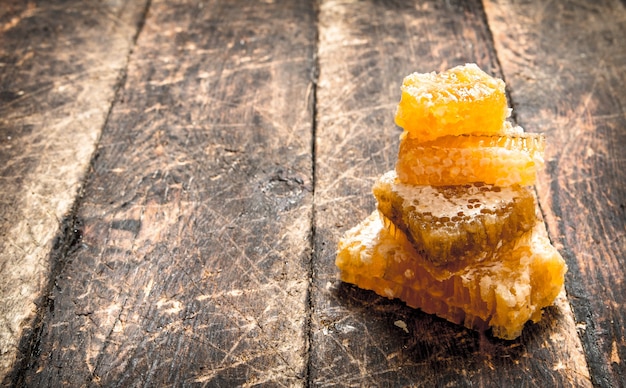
<point>458,101</point>
<point>502,292</point>
<point>456,232</point>
<point>449,224</point>
<point>457,160</point>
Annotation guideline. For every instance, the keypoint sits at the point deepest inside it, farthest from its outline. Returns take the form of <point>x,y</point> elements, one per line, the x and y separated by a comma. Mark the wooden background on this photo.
<point>175,177</point>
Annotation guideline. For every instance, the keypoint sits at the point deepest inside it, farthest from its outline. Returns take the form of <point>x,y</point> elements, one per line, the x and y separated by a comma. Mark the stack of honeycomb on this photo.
<point>455,232</point>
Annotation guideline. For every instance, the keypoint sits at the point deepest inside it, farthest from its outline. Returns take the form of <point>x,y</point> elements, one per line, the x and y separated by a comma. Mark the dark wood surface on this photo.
<point>60,66</point>
<point>176,176</point>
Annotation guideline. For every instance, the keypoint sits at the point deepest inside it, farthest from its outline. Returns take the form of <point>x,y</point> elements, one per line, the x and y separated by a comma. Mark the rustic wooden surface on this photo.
<point>196,212</point>
<point>223,149</point>
<point>60,65</point>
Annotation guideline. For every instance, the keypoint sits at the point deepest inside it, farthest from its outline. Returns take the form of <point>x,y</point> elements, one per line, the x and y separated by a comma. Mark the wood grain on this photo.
<point>358,338</point>
<point>60,65</point>
<point>196,216</point>
<point>565,65</point>
<point>201,248</point>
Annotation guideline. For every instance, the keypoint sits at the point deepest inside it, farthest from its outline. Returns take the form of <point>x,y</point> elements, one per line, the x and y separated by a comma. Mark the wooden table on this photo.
<point>175,177</point>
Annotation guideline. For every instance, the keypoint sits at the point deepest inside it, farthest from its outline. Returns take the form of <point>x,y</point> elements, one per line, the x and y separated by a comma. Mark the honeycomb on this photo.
<point>455,232</point>
<point>461,100</point>
<point>450,224</point>
<point>456,160</point>
<point>502,292</point>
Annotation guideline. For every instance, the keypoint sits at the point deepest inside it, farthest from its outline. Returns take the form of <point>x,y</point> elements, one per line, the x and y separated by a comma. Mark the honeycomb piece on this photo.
<point>450,224</point>
<point>458,101</point>
<point>502,293</point>
<point>457,160</point>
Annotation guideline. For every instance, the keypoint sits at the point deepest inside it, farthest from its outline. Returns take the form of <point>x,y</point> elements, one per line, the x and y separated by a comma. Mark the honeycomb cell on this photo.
<point>451,224</point>
<point>456,160</point>
<point>502,292</point>
<point>461,100</point>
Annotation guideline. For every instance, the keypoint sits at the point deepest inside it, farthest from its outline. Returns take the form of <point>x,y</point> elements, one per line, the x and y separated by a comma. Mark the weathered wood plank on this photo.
<point>60,63</point>
<point>196,216</point>
<point>565,63</point>
<point>366,48</point>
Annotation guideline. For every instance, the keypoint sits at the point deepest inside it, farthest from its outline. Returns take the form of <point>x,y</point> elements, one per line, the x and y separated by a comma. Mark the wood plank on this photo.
<point>196,217</point>
<point>357,338</point>
<point>565,63</point>
<point>60,65</point>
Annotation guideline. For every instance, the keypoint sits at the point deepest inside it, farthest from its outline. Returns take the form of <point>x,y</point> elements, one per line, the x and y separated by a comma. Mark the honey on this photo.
<point>456,231</point>
<point>502,292</point>
<point>457,160</point>
<point>449,224</point>
<point>461,100</point>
